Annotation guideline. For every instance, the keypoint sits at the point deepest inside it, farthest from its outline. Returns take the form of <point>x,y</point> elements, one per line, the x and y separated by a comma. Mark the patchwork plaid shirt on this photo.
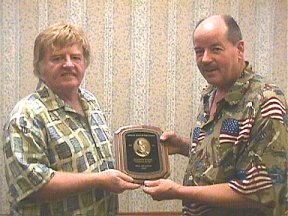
<point>44,135</point>
<point>244,144</point>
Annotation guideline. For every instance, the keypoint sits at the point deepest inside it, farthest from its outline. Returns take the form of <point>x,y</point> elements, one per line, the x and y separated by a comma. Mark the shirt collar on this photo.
<point>52,101</point>
<point>237,91</point>
<point>241,86</point>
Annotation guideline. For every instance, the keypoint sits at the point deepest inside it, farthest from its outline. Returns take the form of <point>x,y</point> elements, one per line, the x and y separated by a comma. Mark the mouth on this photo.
<point>68,74</point>
<point>209,70</point>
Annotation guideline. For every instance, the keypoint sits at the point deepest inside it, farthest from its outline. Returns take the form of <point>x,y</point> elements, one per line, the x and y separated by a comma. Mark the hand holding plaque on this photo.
<point>140,154</point>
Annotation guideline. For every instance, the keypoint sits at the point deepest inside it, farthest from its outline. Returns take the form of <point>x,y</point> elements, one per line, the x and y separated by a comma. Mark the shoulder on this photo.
<point>26,108</point>
<point>89,96</point>
<point>29,104</point>
<point>267,91</point>
<point>269,99</point>
<point>259,88</point>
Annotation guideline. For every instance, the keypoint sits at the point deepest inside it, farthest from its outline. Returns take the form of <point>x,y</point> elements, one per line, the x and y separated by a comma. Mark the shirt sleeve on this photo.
<point>26,156</point>
<point>262,164</point>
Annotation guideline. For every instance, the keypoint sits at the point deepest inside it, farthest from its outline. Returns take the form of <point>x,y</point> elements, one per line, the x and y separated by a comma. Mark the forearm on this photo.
<point>220,195</point>
<point>64,184</point>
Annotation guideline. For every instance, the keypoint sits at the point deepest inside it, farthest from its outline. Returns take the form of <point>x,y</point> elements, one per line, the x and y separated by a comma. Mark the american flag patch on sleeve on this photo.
<point>274,109</point>
<point>257,178</point>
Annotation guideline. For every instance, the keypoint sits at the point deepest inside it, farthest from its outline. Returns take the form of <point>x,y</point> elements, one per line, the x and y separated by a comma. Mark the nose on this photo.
<point>206,56</point>
<point>68,63</point>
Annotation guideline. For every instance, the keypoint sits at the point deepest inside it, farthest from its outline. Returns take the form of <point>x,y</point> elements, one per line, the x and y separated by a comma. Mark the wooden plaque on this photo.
<point>140,154</point>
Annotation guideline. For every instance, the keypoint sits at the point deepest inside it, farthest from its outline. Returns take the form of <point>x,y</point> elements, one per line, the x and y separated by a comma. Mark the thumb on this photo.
<point>164,136</point>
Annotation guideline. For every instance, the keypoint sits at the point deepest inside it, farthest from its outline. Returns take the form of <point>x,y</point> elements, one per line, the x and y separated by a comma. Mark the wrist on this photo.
<point>186,192</point>
<point>185,147</point>
<point>180,192</point>
<point>98,180</point>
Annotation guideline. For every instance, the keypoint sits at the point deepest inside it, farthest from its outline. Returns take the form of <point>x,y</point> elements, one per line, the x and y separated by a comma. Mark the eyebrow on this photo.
<point>56,53</point>
<point>212,45</point>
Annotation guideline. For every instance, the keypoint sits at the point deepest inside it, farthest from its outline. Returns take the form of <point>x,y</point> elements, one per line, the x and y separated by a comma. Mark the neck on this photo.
<point>220,94</point>
<point>68,97</point>
<point>73,99</point>
<point>225,88</point>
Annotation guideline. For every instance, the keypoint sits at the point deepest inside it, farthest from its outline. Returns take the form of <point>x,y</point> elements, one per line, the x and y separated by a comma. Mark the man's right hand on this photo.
<point>175,143</point>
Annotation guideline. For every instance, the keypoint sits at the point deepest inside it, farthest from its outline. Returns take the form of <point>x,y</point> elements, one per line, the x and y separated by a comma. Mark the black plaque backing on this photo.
<point>140,154</point>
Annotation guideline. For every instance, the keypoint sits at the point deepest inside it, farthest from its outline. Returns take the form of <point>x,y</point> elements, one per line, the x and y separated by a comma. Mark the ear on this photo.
<point>240,47</point>
<point>39,70</point>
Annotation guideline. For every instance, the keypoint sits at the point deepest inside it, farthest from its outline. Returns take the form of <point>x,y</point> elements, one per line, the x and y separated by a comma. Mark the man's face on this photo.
<point>218,60</point>
<point>63,68</point>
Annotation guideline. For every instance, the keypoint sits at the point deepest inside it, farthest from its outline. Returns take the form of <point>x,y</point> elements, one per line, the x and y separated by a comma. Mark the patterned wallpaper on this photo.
<point>143,69</point>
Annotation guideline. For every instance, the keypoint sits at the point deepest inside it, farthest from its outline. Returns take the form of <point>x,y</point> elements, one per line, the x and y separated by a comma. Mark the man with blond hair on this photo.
<point>57,150</point>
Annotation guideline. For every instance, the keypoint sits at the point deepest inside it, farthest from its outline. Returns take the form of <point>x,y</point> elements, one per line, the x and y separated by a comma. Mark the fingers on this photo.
<point>149,186</point>
<point>119,174</point>
<point>148,190</point>
<point>125,177</point>
<point>131,186</point>
<point>151,183</point>
<point>167,135</point>
<point>127,181</point>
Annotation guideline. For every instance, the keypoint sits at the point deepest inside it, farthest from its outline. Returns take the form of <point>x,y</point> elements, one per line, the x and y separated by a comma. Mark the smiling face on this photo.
<point>63,69</point>
<point>219,61</point>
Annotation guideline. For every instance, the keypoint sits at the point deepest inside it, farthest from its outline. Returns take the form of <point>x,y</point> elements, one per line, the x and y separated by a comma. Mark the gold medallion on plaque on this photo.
<point>142,147</point>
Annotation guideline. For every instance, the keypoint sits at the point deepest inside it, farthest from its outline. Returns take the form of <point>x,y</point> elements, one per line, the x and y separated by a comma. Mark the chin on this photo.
<point>212,81</point>
<point>70,85</point>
